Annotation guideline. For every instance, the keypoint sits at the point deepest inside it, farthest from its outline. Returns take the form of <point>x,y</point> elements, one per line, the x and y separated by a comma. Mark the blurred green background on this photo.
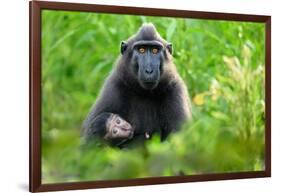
<point>222,63</point>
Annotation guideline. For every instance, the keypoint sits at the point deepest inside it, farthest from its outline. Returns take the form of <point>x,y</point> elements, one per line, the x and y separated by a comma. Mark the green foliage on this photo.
<point>222,63</point>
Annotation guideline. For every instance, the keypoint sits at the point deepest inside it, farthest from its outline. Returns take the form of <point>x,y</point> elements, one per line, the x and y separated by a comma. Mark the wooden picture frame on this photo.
<point>36,8</point>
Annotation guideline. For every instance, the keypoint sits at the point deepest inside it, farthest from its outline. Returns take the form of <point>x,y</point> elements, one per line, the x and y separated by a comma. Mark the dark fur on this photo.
<point>160,110</point>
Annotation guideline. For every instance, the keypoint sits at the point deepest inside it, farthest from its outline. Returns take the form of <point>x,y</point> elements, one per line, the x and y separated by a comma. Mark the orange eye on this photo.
<point>142,50</point>
<point>154,50</point>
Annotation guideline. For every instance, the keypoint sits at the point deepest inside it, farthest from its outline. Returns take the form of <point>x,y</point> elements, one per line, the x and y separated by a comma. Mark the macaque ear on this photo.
<point>123,47</point>
<point>170,47</point>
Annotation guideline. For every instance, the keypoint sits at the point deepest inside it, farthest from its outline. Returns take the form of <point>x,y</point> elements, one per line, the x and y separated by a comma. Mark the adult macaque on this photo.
<point>144,89</point>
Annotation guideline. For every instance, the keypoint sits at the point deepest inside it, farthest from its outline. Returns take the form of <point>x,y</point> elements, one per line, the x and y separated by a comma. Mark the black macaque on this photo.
<point>144,89</point>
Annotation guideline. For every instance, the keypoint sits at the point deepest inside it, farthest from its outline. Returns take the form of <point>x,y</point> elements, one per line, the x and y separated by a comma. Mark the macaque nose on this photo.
<point>148,71</point>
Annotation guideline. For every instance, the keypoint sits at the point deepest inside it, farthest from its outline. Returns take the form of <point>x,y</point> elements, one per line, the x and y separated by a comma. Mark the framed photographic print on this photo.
<point>123,96</point>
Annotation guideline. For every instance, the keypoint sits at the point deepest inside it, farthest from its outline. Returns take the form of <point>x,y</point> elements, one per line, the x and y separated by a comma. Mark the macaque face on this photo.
<point>116,127</point>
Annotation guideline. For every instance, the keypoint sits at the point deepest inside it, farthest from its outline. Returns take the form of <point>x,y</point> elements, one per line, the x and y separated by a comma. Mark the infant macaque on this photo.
<point>111,128</point>
<point>116,127</point>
